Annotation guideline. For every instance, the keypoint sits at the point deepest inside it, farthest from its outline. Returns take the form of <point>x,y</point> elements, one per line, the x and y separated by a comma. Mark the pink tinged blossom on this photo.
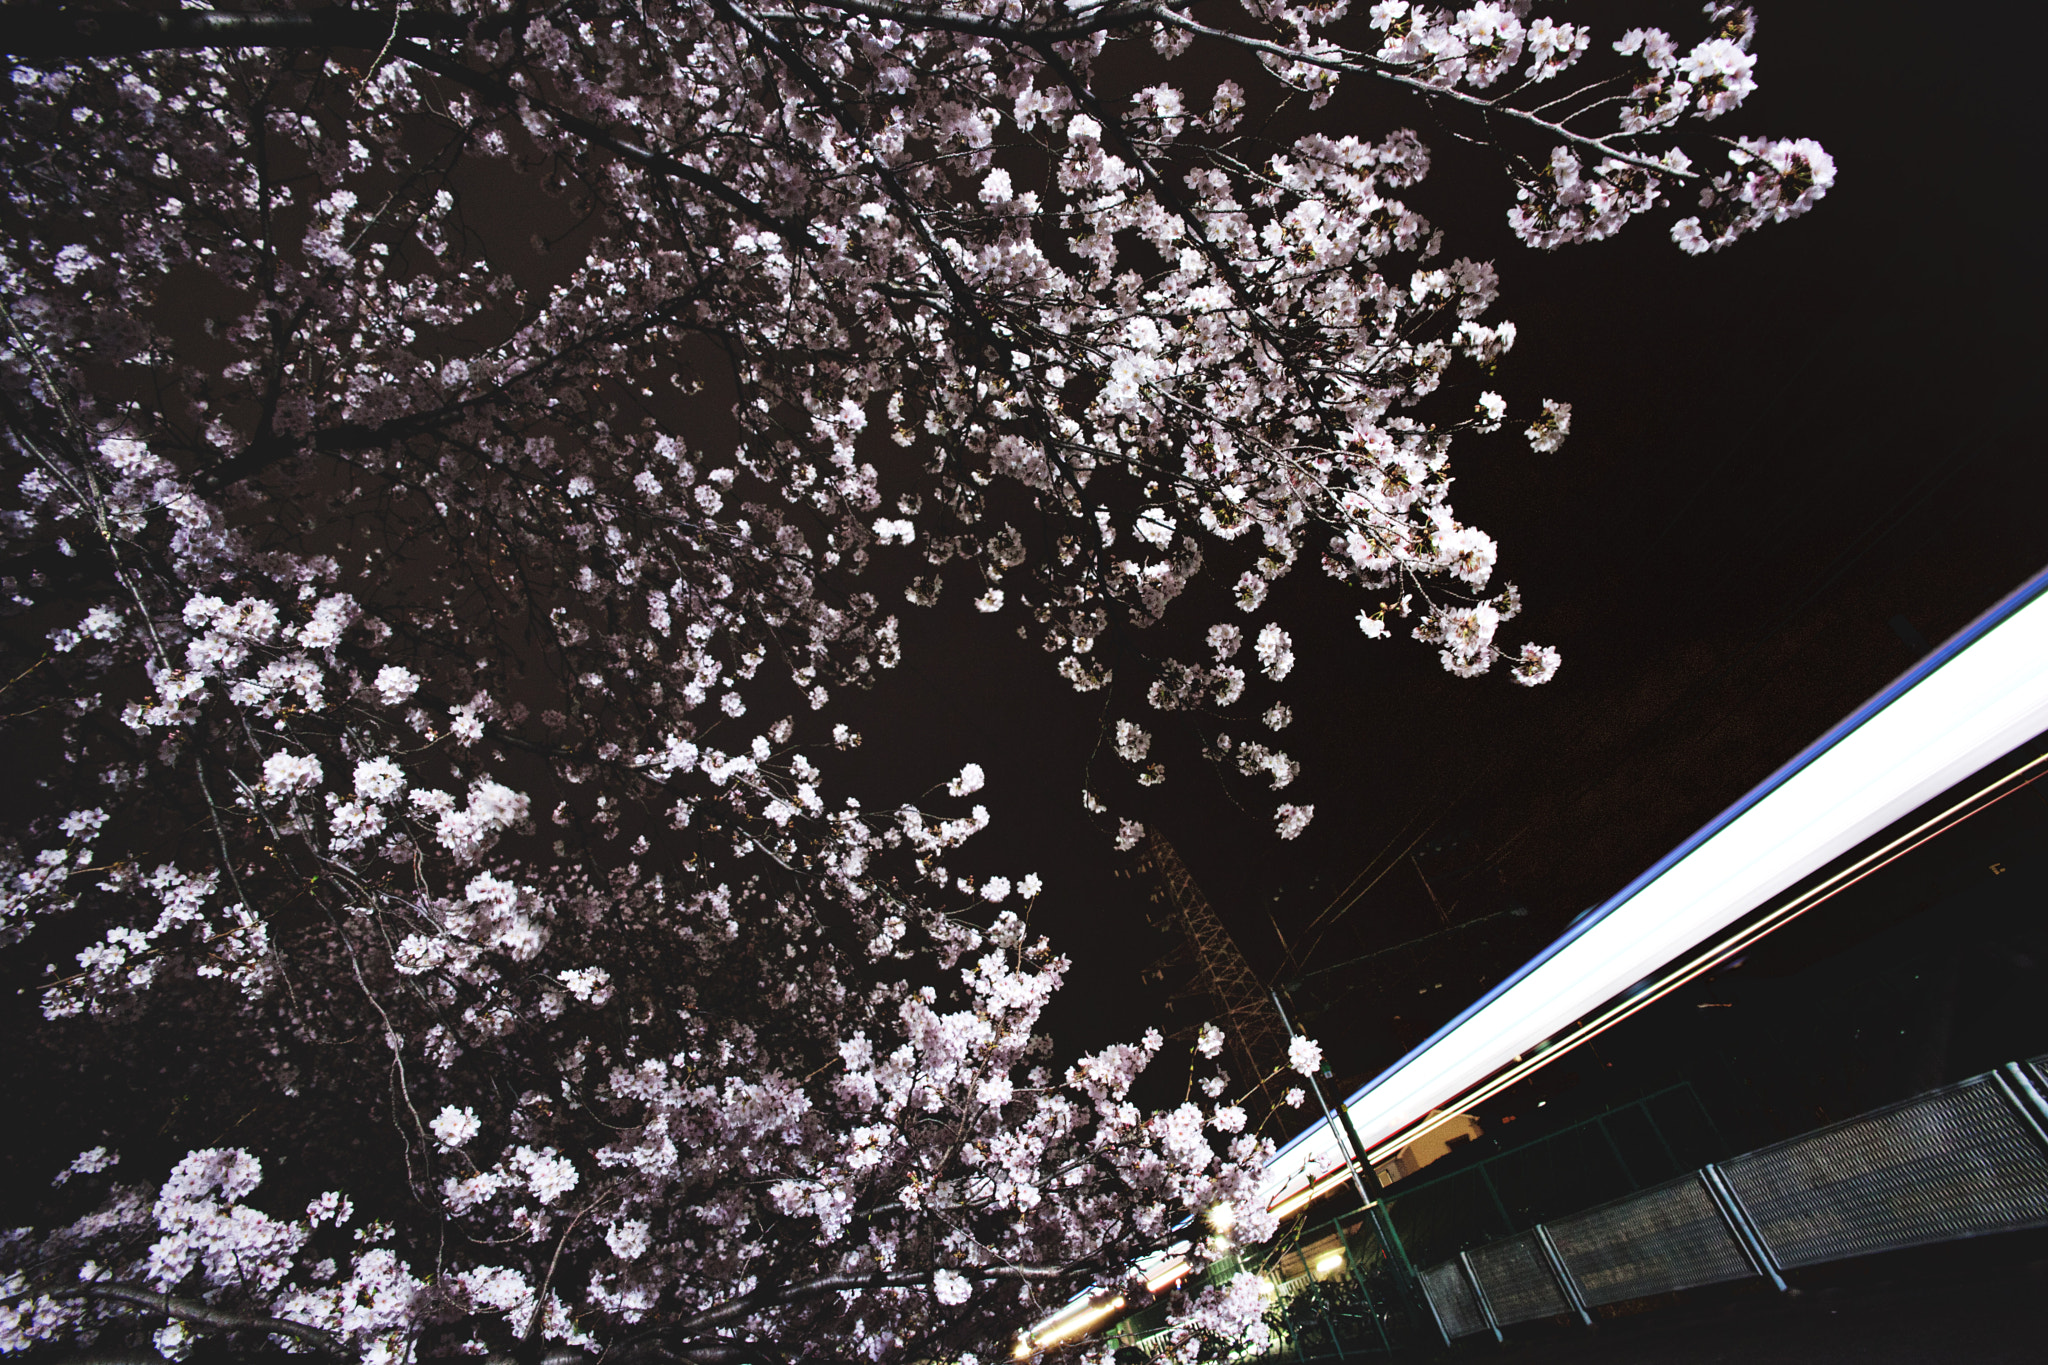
<point>1154,527</point>
<point>496,1287</point>
<point>1294,1096</point>
<point>353,824</point>
<point>101,623</point>
<point>173,1341</point>
<point>82,824</point>
<point>330,619</point>
<point>1132,742</point>
<point>1546,434</point>
<point>1209,1042</point>
<point>454,1127</point>
<point>951,1289</point>
<point>394,684</point>
<point>548,1176</point>
<point>1128,834</point>
<point>1275,652</point>
<point>968,782</point>
<point>89,1162</point>
<point>627,1238</point>
<point>1289,821</point>
<point>1468,554</point>
<point>1535,665</point>
<point>74,261</point>
<point>286,773</point>
<point>1554,46</point>
<point>1723,73</point>
<point>250,619</point>
<point>465,727</point>
<point>331,1207</point>
<point>1654,44</point>
<point>591,985</point>
<point>1305,1055</point>
<point>379,780</point>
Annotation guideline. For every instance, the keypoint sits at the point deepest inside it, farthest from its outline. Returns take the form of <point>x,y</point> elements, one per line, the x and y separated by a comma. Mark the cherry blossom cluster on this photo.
<point>425,623</point>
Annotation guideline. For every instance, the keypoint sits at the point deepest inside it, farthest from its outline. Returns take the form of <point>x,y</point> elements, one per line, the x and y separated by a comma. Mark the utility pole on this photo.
<point>1366,1181</point>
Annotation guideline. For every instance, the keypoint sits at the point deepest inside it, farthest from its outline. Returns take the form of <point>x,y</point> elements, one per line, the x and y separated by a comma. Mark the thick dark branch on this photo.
<point>67,32</point>
<point>765,1297</point>
<point>191,1310</point>
<point>1109,18</point>
<point>269,1355</point>
<point>1117,17</point>
<point>1349,65</point>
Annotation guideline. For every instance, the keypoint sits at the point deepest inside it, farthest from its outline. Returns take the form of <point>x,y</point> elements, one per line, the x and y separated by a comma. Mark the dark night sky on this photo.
<point>1776,451</point>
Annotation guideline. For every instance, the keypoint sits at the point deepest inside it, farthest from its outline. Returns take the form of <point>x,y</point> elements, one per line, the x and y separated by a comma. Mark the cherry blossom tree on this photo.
<point>455,458</point>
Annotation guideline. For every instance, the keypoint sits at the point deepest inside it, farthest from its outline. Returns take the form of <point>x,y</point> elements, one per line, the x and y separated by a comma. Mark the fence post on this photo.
<point>1619,1159</point>
<point>1479,1292</point>
<point>1746,1236</point>
<point>1422,1290</point>
<point>1366,1180</point>
<point>1372,1307</point>
<point>1507,1223</point>
<point>1563,1273</point>
<point>1670,1152</point>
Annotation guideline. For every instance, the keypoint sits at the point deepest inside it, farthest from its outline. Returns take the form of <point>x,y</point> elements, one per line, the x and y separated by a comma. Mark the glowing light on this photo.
<point>1967,705</point>
<point>1074,1326</point>
<point>1314,1190</point>
<point>1727,948</point>
<point>1332,1262</point>
<point>1172,1274</point>
<point>1223,1218</point>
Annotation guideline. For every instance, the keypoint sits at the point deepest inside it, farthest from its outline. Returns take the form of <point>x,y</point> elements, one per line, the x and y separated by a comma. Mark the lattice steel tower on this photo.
<point>1220,972</point>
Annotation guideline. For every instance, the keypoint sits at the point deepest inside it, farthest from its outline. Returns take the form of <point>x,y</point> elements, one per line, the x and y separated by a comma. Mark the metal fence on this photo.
<point>1962,1161</point>
<point>1631,1147</point>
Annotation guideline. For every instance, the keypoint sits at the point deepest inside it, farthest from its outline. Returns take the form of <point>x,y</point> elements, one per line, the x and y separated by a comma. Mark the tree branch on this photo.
<point>68,33</point>
<point>191,1310</point>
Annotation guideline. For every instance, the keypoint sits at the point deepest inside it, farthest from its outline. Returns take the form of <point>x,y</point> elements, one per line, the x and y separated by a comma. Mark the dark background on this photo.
<point>1795,466</point>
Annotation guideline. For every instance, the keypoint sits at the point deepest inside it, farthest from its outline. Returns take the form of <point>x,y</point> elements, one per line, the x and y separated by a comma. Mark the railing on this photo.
<point>1630,1147</point>
<point>1356,1309</point>
<point>1963,1161</point>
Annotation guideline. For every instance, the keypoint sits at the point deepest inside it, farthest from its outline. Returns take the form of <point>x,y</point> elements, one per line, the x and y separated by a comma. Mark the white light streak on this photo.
<point>1171,1275</point>
<point>1970,703</point>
